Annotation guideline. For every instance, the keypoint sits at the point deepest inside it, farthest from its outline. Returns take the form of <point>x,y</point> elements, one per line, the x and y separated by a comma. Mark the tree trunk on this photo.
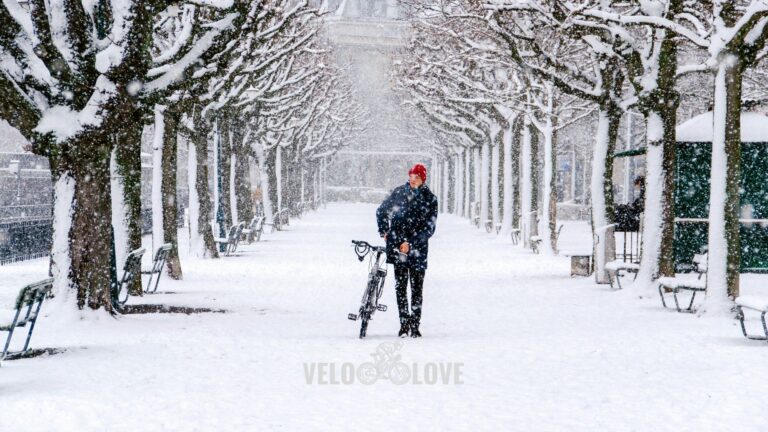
<point>534,176</point>
<point>659,213</point>
<point>457,188</point>
<point>515,161</point>
<point>484,179</point>
<point>434,178</point>
<point>242,180</point>
<point>128,160</point>
<point>495,188</point>
<point>158,233</point>
<point>196,244</point>
<point>268,191</point>
<point>526,184</point>
<point>548,223</point>
<point>508,199</point>
<point>291,170</point>
<point>278,173</point>
<point>90,233</point>
<point>602,190</point>
<point>478,184</point>
<point>202,190</point>
<point>233,209</point>
<point>467,184</point>
<point>550,192</point>
<point>223,172</point>
<point>168,193</point>
<point>446,185</point>
<point>660,109</point>
<point>724,200</point>
<point>314,179</point>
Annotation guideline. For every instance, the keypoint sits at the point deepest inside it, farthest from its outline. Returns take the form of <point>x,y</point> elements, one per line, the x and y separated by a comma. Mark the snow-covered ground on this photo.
<point>538,350</point>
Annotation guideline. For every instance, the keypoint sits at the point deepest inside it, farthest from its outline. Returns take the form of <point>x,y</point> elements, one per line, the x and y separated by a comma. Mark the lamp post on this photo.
<point>628,164</point>
<point>218,196</point>
<point>14,167</point>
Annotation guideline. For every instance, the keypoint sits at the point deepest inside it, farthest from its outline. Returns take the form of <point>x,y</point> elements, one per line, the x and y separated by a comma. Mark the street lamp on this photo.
<point>14,167</point>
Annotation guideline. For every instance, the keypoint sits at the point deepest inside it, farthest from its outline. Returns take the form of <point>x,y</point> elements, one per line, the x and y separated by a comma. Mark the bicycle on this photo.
<point>375,286</point>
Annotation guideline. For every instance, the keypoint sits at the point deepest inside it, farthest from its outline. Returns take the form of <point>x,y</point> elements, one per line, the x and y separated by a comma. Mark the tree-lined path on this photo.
<point>540,350</point>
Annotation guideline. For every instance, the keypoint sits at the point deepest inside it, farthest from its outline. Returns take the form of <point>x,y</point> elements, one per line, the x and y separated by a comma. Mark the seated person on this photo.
<point>628,215</point>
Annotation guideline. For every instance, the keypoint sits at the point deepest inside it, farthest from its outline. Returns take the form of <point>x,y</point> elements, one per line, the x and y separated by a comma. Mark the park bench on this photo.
<point>302,207</point>
<point>158,263</point>
<point>489,227</point>
<point>515,233</point>
<point>675,285</point>
<point>254,230</point>
<point>627,261</point>
<point>535,243</point>
<point>279,220</point>
<point>284,218</point>
<point>617,269</point>
<point>758,304</point>
<point>475,210</point>
<point>232,240</point>
<point>536,240</point>
<point>295,210</point>
<point>131,269</point>
<point>30,297</point>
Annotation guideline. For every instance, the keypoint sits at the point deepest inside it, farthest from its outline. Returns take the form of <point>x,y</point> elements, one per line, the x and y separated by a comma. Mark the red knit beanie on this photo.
<point>420,170</point>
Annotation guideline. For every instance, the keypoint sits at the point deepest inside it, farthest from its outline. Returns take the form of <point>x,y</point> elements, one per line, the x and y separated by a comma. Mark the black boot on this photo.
<point>415,330</point>
<point>405,327</point>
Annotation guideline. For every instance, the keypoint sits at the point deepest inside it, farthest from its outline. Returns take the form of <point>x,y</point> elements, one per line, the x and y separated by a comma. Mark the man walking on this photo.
<point>406,222</point>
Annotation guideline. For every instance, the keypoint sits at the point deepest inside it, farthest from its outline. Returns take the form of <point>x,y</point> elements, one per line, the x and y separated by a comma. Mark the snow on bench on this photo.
<point>536,240</point>
<point>677,284</point>
<point>683,283</point>
<point>758,303</point>
<point>621,265</point>
<point>254,230</point>
<point>755,303</point>
<point>232,240</point>
<point>616,268</point>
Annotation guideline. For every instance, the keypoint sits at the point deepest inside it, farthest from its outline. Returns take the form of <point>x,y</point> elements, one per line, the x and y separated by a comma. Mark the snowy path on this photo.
<point>540,350</point>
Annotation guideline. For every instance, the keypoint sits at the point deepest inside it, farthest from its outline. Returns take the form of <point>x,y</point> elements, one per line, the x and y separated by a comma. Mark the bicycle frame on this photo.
<point>374,288</point>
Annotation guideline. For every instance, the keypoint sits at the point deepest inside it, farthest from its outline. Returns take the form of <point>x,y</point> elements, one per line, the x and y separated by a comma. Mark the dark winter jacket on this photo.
<point>408,215</point>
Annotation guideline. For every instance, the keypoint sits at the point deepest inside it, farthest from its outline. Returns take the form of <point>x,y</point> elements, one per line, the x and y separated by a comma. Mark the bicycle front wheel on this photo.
<point>364,317</point>
<point>366,311</point>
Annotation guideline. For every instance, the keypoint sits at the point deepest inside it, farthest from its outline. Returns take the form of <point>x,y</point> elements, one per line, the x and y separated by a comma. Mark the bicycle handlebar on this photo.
<point>362,248</point>
<point>367,245</point>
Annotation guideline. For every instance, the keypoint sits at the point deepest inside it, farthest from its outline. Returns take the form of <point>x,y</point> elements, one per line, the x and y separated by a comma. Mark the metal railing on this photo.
<point>25,239</point>
<point>20,213</point>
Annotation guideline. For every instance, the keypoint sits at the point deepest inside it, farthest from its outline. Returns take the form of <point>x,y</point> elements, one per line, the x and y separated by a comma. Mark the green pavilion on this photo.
<point>694,149</point>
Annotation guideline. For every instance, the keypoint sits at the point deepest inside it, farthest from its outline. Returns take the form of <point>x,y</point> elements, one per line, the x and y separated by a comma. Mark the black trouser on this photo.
<point>402,273</point>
